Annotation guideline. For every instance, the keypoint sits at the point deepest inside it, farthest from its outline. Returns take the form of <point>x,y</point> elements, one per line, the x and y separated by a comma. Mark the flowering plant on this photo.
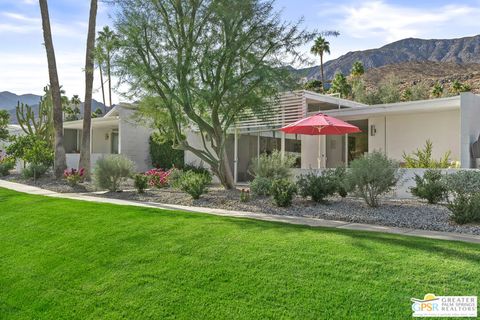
<point>73,176</point>
<point>158,177</point>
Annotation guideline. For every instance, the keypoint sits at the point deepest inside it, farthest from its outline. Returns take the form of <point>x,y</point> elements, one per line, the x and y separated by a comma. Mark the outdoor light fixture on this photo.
<point>106,136</point>
<point>373,130</point>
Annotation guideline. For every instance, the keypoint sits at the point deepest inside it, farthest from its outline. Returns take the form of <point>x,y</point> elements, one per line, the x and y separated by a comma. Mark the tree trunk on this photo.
<point>87,112</point>
<point>225,172</point>
<point>321,69</point>
<point>60,162</point>
<point>109,79</point>
<point>103,87</point>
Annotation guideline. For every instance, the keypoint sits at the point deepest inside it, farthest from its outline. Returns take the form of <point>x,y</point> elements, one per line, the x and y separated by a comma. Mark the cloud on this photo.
<point>377,18</point>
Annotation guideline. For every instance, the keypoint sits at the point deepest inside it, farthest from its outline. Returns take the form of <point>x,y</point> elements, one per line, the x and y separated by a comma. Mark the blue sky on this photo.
<point>362,24</point>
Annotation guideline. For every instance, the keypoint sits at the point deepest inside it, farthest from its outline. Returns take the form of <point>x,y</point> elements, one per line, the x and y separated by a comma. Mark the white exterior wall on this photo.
<point>470,126</point>
<point>133,140</point>
<point>408,132</point>
<point>99,143</point>
<point>376,142</point>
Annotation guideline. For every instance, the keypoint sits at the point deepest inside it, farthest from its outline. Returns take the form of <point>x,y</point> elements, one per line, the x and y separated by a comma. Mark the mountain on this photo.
<point>9,100</point>
<point>460,51</point>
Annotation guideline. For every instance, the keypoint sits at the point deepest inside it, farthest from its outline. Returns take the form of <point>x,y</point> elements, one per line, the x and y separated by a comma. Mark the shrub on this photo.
<point>244,195</point>
<point>318,187</point>
<point>35,171</point>
<point>261,186</point>
<point>31,149</point>
<point>158,178</point>
<point>162,153</point>
<point>193,183</point>
<point>464,196</point>
<point>73,176</point>
<point>6,164</point>
<point>339,176</point>
<point>283,191</point>
<point>198,169</point>
<point>422,158</point>
<point>430,186</point>
<point>110,171</point>
<point>272,166</point>
<point>372,176</point>
<point>140,182</point>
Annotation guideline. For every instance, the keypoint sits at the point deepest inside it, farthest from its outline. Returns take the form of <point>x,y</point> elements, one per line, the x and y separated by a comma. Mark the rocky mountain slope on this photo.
<point>460,51</point>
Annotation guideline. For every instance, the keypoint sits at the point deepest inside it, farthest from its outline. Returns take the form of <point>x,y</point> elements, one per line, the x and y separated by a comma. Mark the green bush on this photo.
<point>272,166</point>
<point>339,175</point>
<point>422,158</point>
<point>283,191</point>
<point>110,171</point>
<point>31,149</point>
<point>463,198</point>
<point>198,169</point>
<point>261,186</point>
<point>193,183</point>
<point>430,186</point>
<point>163,155</point>
<point>35,171</point>
<point>140,182</point>
<point>6,164</point>
<point>372,176</point>
<point>318,187</point>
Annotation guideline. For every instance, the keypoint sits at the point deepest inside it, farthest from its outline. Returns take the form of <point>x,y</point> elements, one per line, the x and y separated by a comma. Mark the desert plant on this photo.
<point>261,186</point>
<point>463,198</point>
<point>198,169</point>
<point>422,158</point>
<point>273,166</point>
<point>163,154</point>
<point>193,183</point>
<point>283,191</point>
<point>140,182</point>
<point>158,177</point>
<point>317,186</point>
<point>110,171</point>
<point>339,176</point>
<point>73,176</point>
<point>372,176</point>
<point>430,186</point>
<point>244,195</point>
<point>6,164</point>
<point>35,171</point>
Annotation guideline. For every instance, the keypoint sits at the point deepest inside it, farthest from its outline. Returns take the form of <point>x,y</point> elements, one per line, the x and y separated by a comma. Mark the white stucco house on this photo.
<point>114,133</point>
<point>452,124</point>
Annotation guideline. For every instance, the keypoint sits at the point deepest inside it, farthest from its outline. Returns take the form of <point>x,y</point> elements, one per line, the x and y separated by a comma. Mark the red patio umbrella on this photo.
<point>320,124</point>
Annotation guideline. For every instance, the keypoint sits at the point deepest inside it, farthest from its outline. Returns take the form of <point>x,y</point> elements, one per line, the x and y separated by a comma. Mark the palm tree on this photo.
<point>87,109</point>
<point>357,69</point>
<point>437,90</point>
<point>457,87</point>
<point>60,162</point>
<point>320,47</point>
<point>100,60</point>
<point>108,42</point>
<point>340,85</point>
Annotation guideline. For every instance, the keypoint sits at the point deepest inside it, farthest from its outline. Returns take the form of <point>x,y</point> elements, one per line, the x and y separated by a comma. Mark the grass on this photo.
<point>63,259</point>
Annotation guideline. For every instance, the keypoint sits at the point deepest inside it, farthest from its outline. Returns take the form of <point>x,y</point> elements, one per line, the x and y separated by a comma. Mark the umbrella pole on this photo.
<point>319,152</point>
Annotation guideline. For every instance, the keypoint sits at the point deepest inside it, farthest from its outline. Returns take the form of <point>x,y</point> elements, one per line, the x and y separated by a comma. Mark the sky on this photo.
<point>363,24</point>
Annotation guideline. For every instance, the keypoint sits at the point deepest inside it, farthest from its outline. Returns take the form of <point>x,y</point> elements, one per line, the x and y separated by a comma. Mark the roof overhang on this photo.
<point>96,123</point>
<point>421,106</point>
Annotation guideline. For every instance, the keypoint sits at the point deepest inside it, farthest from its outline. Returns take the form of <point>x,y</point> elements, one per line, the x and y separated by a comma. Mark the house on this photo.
<point>452,124</point>
<point>114,133</point>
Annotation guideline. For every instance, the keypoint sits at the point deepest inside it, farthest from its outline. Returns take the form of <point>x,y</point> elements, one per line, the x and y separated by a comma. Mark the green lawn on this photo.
<point>63,259</point>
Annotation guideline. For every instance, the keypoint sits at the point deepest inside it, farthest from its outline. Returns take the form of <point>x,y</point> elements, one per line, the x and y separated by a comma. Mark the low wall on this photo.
<point>402,189</point>
<point>74,158</point>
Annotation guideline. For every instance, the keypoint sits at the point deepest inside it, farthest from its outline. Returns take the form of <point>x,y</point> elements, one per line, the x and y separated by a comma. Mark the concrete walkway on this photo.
<point>312,222</point>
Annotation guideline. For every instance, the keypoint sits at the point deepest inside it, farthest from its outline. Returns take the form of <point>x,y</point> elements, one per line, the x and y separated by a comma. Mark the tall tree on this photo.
<point>100,60</point>
<point>60,162</point>
<point>107,41</point>
<point>340,85</point>
<point>357,69</point>
<point>207,62</point>
<point>87,108</point>
<point>320,47</point>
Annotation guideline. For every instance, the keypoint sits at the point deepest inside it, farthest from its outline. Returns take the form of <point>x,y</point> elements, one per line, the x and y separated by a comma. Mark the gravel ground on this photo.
<point>396,213</point>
